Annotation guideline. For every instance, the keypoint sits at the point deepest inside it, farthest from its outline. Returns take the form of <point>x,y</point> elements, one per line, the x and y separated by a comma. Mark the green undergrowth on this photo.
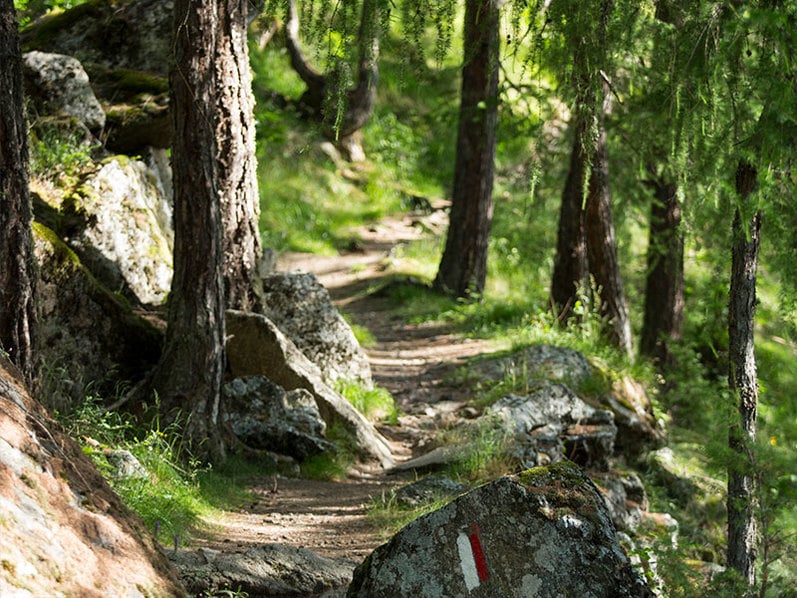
<point>375,403</point>
<point>176,497</point>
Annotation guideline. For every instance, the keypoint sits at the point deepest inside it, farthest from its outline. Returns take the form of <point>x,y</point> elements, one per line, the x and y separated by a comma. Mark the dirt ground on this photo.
<point>410,360</point>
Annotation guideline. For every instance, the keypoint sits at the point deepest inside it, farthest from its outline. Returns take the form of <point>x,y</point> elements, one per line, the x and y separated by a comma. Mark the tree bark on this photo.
<point>664,287</point>
<point>320,99</point>
<point>189,375</point>
<point>570,279</point>
<point>463,267</point>
<point>601,246</point>
<point>237,166</point>
<point>743,383</point>
<point>17,262</point>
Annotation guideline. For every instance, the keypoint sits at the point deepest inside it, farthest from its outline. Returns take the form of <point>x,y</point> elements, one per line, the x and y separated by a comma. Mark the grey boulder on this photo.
<point>263,415</point>
<point>544,533</point>
<point>57,84</point>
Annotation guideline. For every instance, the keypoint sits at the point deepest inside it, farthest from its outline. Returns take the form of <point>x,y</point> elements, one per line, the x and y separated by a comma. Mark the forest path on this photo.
<point>413,361</point>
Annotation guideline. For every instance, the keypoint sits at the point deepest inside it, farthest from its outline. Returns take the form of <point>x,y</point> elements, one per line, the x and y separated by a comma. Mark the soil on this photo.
<point>413,361</point>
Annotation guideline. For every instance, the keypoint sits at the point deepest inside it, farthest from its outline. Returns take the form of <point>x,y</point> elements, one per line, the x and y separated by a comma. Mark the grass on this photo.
<point>177,497</point>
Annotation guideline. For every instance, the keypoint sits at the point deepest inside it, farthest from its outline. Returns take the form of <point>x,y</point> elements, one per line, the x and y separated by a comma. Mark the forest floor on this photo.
<point>412,361</point>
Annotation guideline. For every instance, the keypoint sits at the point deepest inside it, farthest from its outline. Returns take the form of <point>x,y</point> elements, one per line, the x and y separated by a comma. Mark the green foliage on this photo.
<point>59,152</point>
<point>376,403</point>
<point>30,10</point>
<point>332,466</point>
<point>389,516</point>
<point>176,496</point>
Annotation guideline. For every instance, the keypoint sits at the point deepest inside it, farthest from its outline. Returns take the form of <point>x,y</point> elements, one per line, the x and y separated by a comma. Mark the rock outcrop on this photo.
<point>125,232</point>
<point>86,333</point>
<point>64,531</point>
<point>543,533</point>
<point>552,423</point>
<point>302,309</point>
<point>57,84</point>
<point>638,429</point>
<point>256,347</point>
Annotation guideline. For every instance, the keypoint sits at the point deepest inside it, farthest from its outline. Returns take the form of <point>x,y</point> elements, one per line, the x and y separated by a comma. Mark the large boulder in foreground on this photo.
<point>301,308</point>
<point>64,531</point>
<point>256,347</point>
<point>543,533</point>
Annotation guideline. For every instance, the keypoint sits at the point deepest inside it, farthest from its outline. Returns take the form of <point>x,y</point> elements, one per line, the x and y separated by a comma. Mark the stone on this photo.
<point>266,570</point>
<point>132,35</point>
<point>545,533</point>
<point>625,498</point>
<point>639,430</point>
<point>265,416</point>
<point>554,421</point>
<point>125,465</point>
<point>124,235</point>
<point>302,309</point>
<point>58,84</point>
<point>256,347</point>
<point>86,333</point>
<point>545,362</point>
<point>64,531</point>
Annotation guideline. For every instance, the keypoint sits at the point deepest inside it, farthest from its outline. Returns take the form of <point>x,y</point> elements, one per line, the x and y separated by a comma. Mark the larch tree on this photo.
<point>17,262</point>
<point>236,162</point>
<point>344,104</point>
<point>463,267</point>
<point>188,377</point>
<point>585,237</point>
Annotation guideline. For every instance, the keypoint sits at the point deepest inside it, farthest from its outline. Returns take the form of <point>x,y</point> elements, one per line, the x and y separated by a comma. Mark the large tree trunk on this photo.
<point>463,267</point>
<point>743,382</point>
<point>17,263</point>
<point>237,166</point>
<point>601,246</point>
<point>664,287</point>
<point>321,100</point>
<point>189,375</point>
<point>570,279</point>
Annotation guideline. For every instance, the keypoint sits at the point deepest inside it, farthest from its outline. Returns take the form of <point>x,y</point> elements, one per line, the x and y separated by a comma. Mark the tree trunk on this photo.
<point>17,262</point>
<point>463,267</point>
<point>570,278</point>
<point>189,375</point>
<point>601,246</point>
<point>664,287</point>
<point>237,166</point>
<point>743,382</point>
<point>321,100</point>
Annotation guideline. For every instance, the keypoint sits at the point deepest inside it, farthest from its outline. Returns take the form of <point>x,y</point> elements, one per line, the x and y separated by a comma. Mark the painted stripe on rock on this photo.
<point>468,564</point>
<point>478,553</point>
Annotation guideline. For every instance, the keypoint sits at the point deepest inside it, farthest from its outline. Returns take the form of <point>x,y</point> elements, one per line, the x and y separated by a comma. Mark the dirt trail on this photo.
<point>411,361</point>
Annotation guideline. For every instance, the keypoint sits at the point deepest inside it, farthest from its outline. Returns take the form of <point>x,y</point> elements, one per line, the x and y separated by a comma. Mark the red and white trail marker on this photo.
<point>471,558</point>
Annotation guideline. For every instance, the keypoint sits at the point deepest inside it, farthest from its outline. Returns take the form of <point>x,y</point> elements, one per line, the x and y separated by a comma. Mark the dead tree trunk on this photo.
<point>17,262</point>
